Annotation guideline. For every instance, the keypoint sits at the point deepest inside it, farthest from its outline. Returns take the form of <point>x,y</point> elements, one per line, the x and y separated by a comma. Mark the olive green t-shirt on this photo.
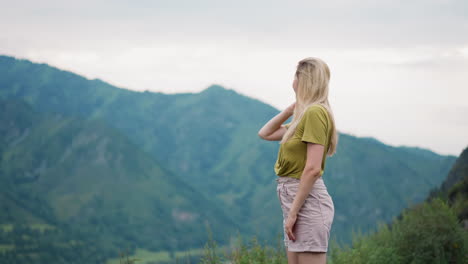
<point>314,127</point>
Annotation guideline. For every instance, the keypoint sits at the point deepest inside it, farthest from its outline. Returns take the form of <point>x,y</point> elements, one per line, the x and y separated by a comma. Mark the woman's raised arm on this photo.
<point>273,130</point>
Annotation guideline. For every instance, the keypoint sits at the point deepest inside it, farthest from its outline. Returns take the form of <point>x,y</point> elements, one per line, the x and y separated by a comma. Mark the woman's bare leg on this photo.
<point>292,257</point>
<point>312,257</point>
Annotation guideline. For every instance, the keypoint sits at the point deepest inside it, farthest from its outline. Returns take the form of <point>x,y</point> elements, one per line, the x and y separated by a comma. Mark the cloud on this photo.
<point>383,54</point>
<point>340,24</point>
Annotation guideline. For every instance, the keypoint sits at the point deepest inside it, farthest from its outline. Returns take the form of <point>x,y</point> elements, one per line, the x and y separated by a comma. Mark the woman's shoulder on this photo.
<point>315,114</point>
<point>316,109</point>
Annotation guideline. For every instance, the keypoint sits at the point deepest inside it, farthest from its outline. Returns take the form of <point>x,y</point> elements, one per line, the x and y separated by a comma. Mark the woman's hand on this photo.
<point>290,109</point>
<point>271,130</point>
<point>289,226</point>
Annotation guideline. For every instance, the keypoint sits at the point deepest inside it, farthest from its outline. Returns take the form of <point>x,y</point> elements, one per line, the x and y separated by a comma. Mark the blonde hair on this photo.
<point>313,76</point>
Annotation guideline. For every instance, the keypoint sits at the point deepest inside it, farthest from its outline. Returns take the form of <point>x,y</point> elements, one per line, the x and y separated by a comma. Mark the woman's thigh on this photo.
<point>312,257</point>
<point>292,257</point>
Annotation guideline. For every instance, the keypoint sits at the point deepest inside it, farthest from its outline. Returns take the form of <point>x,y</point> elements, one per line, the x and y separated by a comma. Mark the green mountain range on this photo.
<point>84,173</point>
<point>432,231</point>
<point>154,169</point>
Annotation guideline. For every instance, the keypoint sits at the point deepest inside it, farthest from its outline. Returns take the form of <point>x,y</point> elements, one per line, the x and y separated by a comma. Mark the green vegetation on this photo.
<point>241,252</point>
<point>433,231</point>
<point>87,174</point>
<point>87,169</point>
<point>427,233</point>
<point>208,141</point>
<point>29,244</point>
<point>454,189</point>
<point>125,259</point>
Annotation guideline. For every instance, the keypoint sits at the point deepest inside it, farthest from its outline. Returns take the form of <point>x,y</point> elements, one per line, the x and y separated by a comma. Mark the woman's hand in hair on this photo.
<point>273,130</point>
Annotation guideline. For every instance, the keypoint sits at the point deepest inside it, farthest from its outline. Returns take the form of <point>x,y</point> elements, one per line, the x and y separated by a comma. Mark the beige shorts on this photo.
<point>314,219</point>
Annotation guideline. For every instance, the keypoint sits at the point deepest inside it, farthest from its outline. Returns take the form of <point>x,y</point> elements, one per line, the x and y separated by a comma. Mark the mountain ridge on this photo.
<point>83,164</point>
<point>209,140</point>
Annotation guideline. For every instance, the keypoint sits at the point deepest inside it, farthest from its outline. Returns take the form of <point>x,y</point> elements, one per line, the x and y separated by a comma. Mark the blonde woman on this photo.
<point>305,143</point>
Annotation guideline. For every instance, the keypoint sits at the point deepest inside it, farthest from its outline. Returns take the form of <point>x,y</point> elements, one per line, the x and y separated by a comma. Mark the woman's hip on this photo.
<point>318,197</point>
<point>319,186</point>
<point>318,207</point>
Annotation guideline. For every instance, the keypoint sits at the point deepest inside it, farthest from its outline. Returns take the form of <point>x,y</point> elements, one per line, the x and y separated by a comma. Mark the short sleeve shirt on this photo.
<point>314,127</point>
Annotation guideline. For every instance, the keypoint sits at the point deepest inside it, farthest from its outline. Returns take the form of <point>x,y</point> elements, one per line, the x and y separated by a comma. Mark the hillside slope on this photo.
<point>57,169</point>
<point>209,140</point>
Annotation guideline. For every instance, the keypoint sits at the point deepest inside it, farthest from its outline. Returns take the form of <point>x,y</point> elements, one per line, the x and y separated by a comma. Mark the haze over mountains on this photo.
<point>147,168</point>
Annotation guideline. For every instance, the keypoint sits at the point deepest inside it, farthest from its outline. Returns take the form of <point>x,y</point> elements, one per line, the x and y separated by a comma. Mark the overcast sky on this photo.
<point>399,69</point>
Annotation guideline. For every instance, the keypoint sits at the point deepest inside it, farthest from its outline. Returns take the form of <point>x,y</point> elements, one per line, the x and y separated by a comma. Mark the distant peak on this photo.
<point>215,88</point>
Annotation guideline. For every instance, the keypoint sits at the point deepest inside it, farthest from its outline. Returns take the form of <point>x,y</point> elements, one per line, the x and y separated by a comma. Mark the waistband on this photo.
<point>319,183</point>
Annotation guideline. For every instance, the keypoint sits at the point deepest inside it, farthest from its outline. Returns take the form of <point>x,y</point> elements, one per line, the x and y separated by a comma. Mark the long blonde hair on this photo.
<point>313,76</point>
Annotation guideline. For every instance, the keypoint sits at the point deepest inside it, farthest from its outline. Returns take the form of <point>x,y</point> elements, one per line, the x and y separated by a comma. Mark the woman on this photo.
<point>305,142</point>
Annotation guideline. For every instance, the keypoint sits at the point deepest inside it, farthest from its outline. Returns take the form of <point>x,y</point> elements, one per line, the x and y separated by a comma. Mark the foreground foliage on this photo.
<point>426,233</point>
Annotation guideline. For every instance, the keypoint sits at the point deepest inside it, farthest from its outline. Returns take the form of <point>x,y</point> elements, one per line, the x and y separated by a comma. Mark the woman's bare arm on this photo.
<point>273,130</point>
<point>309,176</point>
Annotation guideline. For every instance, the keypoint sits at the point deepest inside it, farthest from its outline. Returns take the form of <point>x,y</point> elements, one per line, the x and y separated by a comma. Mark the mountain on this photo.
<point>209,141</point>
<point>454,189</point>
<point>57,170</point>
<point>432,231</point>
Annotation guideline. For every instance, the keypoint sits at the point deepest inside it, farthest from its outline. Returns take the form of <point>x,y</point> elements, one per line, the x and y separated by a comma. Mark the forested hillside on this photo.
<point>145,168</point>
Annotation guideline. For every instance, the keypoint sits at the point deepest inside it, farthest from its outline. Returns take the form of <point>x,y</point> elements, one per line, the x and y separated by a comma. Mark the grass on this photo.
<point>239,252</point>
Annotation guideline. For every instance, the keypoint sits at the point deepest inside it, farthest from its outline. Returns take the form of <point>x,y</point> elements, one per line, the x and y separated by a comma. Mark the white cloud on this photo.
<point>464,51</point>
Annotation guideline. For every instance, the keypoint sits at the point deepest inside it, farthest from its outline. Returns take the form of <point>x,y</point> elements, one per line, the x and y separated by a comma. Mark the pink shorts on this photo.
<point>314,219</point>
